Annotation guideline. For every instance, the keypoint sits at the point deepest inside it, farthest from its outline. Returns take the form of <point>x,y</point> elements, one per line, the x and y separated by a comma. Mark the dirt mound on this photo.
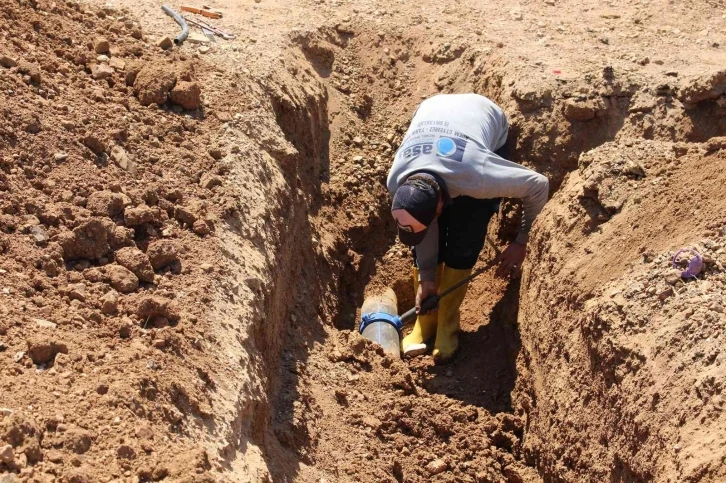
<point>93,313</point>
<point>638,341</point>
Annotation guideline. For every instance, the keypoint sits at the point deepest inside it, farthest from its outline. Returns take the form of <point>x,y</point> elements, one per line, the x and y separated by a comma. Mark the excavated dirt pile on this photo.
<point>186,236</point>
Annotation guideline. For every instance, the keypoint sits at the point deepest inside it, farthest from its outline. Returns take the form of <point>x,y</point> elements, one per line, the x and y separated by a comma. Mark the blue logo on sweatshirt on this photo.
<point>445,146</point>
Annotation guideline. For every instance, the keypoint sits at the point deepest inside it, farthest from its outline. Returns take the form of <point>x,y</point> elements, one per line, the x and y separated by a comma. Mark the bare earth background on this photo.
<point>186,236</point>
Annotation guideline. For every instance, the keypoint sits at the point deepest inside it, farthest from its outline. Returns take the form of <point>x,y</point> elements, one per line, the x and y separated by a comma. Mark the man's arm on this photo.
<point>427,254</point>
<point>505,179</point>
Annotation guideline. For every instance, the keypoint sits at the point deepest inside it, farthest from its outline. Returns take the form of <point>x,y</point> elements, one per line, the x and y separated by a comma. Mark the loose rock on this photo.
<point>77,440</point>
<point>122,159</point>
<point>101,45</point>
<point>101,71</point>
<point>136,261</point>
<point>153,84</point>
<point>88,240</point>
<point>187,95</point>
<point>144,214</point>
<point>109,302</point>
<point>105,203</point>
<point>7,455</point>
<point>201,227</point>
<point>122,279</point>
<point>7,62</point>
<point>162,253</point>
<point>42,350</point>
<point>165,43</point>
<point>436,466</point>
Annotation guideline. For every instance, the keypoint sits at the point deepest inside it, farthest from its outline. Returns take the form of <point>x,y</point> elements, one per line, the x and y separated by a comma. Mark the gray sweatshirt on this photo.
<point>455,136</point>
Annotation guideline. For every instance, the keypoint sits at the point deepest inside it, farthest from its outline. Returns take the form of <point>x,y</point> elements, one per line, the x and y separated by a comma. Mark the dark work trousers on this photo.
<point>463,228</point>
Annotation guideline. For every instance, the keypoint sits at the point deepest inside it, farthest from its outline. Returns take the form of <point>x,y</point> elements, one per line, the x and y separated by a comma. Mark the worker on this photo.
<point>446,181</point>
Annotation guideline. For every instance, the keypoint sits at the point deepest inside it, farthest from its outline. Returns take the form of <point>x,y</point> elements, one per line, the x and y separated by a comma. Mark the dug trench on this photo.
<point>592,368</point>
<point>342,410</point>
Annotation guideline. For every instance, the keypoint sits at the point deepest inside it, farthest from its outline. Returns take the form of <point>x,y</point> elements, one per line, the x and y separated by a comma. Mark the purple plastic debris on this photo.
<point>695,264</point>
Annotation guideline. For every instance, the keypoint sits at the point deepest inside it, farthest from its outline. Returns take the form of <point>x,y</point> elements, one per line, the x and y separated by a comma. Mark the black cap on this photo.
<point>418,195</point>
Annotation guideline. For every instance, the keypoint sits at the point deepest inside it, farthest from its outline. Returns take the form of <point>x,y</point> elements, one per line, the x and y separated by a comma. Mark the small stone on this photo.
<point>42,349</point>
<point>7,62</point>
<point>39,234</point>
<point>10,477</point>
<point>78,440</point>
<point>19,356</point>
<point>101,46</point>
<point>371,422</point>
<point>665,294</point>
<point>358,141</point>
<point>77,292</point>
<point>118,64</point>
<point>60,157</point>
<point>7,455</point>
<point>197,38</point>
<point>187,95</point>
<point>436,466</point>
<point>105,203</point>
<point>122,279</point>
<point>54,456</point>
<point>162,253</point>
<point>126,452</point>
<point>125,328</point>
<point>46,324</point>
<point>122,159</point>
<point>203,49</point>
<point>516,15</point>
<point>604,40</point>
<point>634,169</point>
<point>253,283</point>
<point>101,71</point>
<point>144,432</point>
<point>136,261</point>
<point>673,276</point>
<point>102,58</point>
<point>109,302</point>
<point>206,267</point>
<point>165,43</point>
<point>31,70</point>
<point>201,227</point>
<point>216,153</point>
<point>135,216</point>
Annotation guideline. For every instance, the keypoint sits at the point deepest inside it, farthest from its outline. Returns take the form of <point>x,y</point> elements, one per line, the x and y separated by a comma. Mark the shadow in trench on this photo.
<point>484,371</point>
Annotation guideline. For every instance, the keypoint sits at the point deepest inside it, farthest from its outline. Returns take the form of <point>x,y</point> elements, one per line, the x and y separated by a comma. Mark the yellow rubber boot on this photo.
<point>447,332</point>
<point>414,344</point>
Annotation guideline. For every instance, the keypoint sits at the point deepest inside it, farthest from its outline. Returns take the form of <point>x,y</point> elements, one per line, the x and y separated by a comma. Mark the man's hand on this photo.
<point>510,261</point>
<point>425,290</point>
